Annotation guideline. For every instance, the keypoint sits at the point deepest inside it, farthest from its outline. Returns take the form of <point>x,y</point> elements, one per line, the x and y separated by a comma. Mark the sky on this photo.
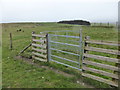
<point>57,10</point>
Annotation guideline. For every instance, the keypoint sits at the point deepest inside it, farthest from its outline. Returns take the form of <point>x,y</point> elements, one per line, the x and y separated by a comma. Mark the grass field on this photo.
<point>18,74</point>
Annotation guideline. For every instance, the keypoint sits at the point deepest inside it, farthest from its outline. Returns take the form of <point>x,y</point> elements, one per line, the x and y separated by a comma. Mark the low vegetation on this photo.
<point>17,73</point>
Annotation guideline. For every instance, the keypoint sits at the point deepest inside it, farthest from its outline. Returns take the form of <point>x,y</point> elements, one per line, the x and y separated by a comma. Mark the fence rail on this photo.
<point>37,40</point>
<point>39,45</point>
<point>103,58</point>
<point>103,43</point>
<point>100,72</point>
<point>39,50</point>
<point>116,52</point>
<point>39,59</point>
<point>37,35</point>
<point>39,55</point>
<point>100,79</point>
<point>101,65</point>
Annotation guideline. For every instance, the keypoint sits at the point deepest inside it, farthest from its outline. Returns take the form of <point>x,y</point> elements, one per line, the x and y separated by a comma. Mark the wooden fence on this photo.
<point>39,47</point>
<point>97,66</point>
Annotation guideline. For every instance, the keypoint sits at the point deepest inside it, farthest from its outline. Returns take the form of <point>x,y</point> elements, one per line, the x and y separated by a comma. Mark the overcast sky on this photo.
<point>55,10</point>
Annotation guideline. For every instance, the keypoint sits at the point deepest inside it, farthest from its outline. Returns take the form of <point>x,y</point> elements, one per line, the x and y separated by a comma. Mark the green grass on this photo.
<point>18,74</point>
<point>28,76</point>
<point>0,67</point>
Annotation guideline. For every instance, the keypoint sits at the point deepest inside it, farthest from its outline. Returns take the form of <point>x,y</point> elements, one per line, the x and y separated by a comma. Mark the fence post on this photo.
<point>80,51</point>
<point>116,72</point>
<point>56,39</point>
<point>118,67</point>
<point>11,41</point>
<point>42,38</point>
<point>87,38</point>
<point>32,36</point>
<point>33,42</point>
<point>48,48</point>
<point>85,51</point>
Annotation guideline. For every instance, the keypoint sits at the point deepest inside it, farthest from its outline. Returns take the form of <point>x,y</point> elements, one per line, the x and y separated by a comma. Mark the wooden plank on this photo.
<point>39,45</point>
<point>102,58</point>
<point>39,50</point>
<point>41,55</point>
<point>37,35</point>
<point>44,60</point>
<point>100,79</point>
<point>100,72</point>
<point>102,43</point>
<point>115,42</point>
<point>41,41</point>
<point>100,65</point>
<point>25,48</point>
<point>116,52</point>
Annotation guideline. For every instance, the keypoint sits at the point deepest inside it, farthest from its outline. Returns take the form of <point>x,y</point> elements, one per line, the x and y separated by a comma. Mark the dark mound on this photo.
<point>76,22</point>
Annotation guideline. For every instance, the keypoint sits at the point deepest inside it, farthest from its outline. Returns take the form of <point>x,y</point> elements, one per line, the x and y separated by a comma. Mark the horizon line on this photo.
<point>48,22</point>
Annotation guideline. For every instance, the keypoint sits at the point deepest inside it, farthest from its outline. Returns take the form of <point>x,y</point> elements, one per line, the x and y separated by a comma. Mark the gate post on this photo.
<point>80,49</point>
<point>84,51</point>
<point>32,46</point>
<point>48,48</point>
